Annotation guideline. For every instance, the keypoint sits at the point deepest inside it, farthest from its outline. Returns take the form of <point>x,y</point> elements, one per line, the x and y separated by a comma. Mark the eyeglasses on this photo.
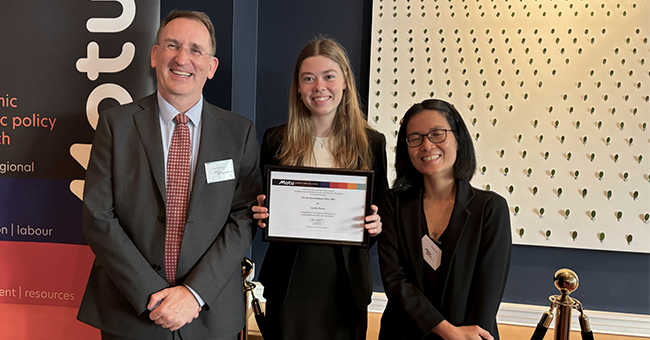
<point>436,136</point>
<point>193,51</point>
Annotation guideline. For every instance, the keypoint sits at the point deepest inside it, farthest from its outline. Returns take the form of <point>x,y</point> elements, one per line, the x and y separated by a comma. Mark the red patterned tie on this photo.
<point>178,182</point>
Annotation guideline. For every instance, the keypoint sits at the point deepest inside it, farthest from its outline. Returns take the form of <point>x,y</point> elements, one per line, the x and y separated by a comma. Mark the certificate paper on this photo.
<point>317,205</point>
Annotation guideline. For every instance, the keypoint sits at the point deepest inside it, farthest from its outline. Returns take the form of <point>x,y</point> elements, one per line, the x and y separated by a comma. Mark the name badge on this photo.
<point>431,252</point>
<point>219,171</point>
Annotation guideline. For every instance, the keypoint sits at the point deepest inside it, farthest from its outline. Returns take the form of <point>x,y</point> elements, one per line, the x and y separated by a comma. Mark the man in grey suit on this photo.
<point>139,288</point>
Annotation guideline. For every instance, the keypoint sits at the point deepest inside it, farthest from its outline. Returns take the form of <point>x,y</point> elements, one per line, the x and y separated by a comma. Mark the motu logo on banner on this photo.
<point>93,65</point>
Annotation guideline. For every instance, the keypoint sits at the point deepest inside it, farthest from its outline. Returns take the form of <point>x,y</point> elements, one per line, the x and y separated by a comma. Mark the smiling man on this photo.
<point>167,200</point>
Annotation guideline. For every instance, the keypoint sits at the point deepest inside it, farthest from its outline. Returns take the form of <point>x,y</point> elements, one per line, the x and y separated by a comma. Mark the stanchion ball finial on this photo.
<point>566,281</point>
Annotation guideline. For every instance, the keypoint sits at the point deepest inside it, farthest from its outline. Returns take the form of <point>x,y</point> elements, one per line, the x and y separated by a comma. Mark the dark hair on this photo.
<point>192,15</point>
<point>465,165</point>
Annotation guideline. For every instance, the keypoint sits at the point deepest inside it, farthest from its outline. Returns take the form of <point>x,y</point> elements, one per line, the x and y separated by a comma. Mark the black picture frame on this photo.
<point>272,170</point>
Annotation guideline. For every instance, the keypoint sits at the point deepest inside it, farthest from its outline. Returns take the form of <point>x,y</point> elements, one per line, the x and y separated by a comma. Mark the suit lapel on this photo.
<point>411,217</point>
<point>147,122</point>
<point>458,221</point>
<point>211,133</point>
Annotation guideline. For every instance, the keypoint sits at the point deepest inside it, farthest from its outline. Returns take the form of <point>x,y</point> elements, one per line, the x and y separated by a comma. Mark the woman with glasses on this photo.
<point>321,291</point>
<point>445,248</point>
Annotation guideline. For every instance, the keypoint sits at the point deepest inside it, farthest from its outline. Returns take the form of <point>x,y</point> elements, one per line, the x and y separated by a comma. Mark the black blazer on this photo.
<point>280,258</point>
<point>476,270</point>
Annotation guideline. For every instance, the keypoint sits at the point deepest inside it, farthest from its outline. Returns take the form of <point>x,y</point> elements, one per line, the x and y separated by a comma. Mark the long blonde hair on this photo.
<point>348,142</point>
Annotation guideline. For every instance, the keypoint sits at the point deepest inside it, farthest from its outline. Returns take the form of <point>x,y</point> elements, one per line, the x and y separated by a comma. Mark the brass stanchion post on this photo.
<point>566,281</point>
<point>246,268</point>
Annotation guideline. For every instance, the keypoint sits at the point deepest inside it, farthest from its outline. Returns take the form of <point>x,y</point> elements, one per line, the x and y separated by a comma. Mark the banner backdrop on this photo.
<point>61,63</point>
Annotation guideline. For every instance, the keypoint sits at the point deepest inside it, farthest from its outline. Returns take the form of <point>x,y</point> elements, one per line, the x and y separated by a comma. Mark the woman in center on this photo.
<point>321,291</point>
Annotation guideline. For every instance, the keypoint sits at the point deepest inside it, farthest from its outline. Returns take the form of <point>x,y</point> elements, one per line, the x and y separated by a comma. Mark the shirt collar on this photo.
<point>168,112</point>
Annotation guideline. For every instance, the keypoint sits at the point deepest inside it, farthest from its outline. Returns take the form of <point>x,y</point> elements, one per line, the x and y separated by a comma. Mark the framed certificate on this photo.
<point>317,205</point>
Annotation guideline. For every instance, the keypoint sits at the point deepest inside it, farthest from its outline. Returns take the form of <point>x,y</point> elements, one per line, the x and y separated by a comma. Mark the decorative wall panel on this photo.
<point>556,95</point>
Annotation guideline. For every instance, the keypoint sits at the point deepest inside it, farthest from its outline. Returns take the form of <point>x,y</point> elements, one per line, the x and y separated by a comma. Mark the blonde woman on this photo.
<point>321,291</point>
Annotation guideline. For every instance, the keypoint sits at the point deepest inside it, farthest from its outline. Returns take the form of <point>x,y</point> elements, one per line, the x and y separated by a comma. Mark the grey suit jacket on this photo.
<point>124,221</point>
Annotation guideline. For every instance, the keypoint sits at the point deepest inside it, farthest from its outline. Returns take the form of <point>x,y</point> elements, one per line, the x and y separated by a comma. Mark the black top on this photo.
<point>434,280</point>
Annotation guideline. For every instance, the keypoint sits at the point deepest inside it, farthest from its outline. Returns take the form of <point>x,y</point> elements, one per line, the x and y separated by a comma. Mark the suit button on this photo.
<point>162,219</point>
<point>156,266</point>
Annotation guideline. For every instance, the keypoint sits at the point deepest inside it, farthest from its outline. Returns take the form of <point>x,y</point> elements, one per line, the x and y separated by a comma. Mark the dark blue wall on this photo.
<point>609,281</point>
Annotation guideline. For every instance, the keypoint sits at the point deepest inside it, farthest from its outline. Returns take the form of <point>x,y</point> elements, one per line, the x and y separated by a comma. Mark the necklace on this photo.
<point>434,228</point>
<point>321,141</point>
